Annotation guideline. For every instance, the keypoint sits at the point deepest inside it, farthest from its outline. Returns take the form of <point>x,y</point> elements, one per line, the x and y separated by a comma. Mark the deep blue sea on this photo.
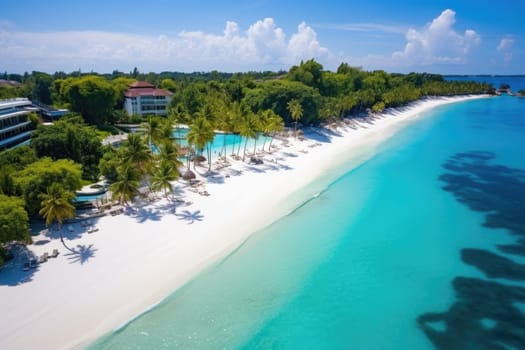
<point>421,247</point>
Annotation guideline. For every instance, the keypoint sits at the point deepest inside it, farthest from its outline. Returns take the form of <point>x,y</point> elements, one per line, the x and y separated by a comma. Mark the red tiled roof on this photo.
<point>141,84</point>
<point>147,92</point>
<point>142,88</point>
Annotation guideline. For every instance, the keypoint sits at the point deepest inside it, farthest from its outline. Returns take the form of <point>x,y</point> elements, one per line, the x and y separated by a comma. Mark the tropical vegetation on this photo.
<point>39,180</point>
<point>57,205</point>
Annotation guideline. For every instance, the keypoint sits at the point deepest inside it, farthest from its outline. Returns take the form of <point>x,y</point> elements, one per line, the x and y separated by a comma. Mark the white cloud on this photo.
<point>366,27</point>
<point>505,49</point>
<point>437,42</point>
<point>262,46</point>
<point>304,44</point>
<point>505,44</point>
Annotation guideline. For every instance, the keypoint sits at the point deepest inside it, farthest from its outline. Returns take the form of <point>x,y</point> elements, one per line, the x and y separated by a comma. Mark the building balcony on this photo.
<point>14,140</point>
<point>14,127</point>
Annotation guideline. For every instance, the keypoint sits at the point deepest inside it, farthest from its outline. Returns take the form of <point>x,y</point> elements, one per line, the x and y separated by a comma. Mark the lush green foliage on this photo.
<point>120,85</point>
<point>91,96</point>
<point>40,84</point>
<point>135,151</point>
<point>14,222</point>
<point>35,178</point>
<point>165,173</point>
<point>109,162</point>
<point>275,95</point>
<point>18,158</point>
<point>70,139</point>
<point>56,204</point>
<point>126,187</point>
<point>11,161</point>
<point>296,110</point>
<point>248,104</point>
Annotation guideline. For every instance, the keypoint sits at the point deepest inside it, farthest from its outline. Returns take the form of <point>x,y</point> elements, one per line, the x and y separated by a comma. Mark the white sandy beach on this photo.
<point>135,260</point>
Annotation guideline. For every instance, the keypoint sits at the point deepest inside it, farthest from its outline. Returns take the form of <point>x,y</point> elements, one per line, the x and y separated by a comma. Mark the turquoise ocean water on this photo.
<point>418,248</point>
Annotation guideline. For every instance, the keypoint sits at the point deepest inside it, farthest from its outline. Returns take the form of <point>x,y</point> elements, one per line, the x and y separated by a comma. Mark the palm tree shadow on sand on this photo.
<point>189,216</point>
<point>80,254</point>
<point>487,314</point>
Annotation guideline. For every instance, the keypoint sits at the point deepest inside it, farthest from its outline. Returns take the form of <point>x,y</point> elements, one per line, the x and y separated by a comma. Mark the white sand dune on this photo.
<point>136,259</point>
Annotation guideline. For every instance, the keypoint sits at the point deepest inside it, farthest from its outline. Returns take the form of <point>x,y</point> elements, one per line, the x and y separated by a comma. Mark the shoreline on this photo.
<point>137,259</point>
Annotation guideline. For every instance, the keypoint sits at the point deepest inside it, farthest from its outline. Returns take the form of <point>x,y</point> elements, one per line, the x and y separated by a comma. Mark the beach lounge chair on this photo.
<point>43,258</point>
<point>54,254</point>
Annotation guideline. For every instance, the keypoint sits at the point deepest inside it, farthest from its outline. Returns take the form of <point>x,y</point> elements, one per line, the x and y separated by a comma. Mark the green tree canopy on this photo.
<point>70,140</point>
<point>40,84</point>
<point>38,176</point>
<point>168,84</point>
<point>275,95</point>
<point>309,73</point>
<point>14,222</point>
<point>120,85</point>
<point>109,163</point>
<point>18,158</point>
<point>91,96</point>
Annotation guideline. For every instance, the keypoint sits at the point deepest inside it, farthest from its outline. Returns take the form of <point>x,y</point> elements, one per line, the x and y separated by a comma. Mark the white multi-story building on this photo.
<point>15,128</point>
<point>143,98</point>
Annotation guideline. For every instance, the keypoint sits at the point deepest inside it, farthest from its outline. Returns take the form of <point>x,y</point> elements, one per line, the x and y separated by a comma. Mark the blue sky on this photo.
<point>459,37</point>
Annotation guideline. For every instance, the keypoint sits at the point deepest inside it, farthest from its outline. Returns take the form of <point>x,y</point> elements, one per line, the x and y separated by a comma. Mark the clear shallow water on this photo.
<point>393,255</point>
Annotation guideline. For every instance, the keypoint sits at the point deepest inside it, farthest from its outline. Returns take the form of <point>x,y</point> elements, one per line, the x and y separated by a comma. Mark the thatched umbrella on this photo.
<point>188,175</point>
<point>198,158</point>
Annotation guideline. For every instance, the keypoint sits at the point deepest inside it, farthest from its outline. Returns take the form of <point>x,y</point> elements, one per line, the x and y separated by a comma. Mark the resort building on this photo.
<point>143,98</point>
<point>49,113</point>
<point>15,127</point>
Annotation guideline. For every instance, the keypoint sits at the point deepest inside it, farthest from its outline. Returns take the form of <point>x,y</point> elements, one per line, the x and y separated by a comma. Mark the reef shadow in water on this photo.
<point>485,314</point>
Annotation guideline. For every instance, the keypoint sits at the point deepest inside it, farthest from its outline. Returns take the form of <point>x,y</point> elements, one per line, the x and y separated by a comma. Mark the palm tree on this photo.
<point>275,124</point>
<point>152,130</point>
<point>135,151</point>
<point>248,129</point>
<point>127,185</point>
<point>56,205</point>
<point>258,125</point>
<point>296,112</point>
<point>168,153</point>
<point>163,176</point>
<point>179,115</point>
<point>239,113</point>
<point>264,122</point>
<point>165,131</point>
<point>200,134</point>
<point>225,124</point>
<point>208,113</point>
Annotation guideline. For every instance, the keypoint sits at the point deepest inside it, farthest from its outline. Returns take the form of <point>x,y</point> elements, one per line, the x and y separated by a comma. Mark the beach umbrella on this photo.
<point>198,158</point>
<point>188,175</point>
